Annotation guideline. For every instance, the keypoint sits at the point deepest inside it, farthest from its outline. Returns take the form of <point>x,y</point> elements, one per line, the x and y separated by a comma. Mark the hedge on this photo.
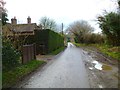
<point>55,41</point>
<point>46,41</point>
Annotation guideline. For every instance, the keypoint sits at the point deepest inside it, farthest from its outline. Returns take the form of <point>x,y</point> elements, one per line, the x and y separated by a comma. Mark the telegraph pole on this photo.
<point>62,28</point>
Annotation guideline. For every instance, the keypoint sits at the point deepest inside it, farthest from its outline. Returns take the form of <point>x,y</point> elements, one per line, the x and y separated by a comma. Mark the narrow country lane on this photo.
<point>67,70</point>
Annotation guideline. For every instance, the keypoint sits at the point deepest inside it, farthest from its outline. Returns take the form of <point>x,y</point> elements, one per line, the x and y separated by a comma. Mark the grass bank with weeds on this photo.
<point>80,45</point>
<point>110,51</point>
<point>11,77</point>
<point>113,52</point>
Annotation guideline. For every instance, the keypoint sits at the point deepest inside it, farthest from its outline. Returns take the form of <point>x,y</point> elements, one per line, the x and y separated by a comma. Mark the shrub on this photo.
<point>10,78</point>
<point>91,38</point>
<point>10,56</point>
<point>110,25</point>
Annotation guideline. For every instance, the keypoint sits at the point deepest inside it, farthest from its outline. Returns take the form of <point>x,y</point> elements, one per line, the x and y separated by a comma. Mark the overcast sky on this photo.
<point>62,11</point>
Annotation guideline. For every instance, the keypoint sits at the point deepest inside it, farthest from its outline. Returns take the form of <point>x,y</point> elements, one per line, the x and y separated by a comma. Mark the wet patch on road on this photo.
<point>101,74</point>
<point>101,66</point>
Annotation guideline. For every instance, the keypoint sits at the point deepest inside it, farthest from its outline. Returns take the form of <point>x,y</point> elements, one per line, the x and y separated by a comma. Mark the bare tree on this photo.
<point>80,26</point>
<point>80,29</point>
<point>119,6</point>
<point>2,9</point>
<point>48,23</point>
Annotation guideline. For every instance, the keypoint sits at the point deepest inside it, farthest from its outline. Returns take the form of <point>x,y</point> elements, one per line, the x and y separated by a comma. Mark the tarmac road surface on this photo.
<point>67,70</point>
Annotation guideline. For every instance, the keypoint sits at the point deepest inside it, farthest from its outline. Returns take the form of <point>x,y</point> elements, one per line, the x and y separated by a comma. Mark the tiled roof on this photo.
<point>22,27</point>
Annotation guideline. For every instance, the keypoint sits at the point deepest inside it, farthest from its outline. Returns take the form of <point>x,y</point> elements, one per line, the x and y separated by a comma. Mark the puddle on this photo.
<point>100,66</point>
<point>100,86</point>
<point>91,68</point>
<point>97,65</point>
<point>95,62</point>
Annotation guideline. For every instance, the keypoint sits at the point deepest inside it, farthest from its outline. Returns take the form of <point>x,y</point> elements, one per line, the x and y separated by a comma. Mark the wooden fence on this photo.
<point>29,53</point>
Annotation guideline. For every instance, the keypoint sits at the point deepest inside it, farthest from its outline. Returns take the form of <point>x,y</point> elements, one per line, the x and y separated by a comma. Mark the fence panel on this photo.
<point>29,53</point>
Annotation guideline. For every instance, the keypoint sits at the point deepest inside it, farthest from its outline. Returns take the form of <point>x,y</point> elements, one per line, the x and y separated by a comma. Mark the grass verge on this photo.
<point>113,52</point>
<point>57,51</point>
<point>79,45</point>
<point>110,51</point>
<point>10,78</point>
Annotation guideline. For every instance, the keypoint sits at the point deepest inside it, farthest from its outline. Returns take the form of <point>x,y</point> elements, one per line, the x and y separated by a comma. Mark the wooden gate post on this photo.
<point>28,53</point>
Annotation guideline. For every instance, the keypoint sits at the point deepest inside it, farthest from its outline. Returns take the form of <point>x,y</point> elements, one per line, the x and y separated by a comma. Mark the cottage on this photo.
<point>13,28</point>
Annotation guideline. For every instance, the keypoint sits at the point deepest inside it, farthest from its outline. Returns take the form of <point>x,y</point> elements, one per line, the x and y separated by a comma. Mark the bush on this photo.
<point>110,25</point>
<point>10,56</point>
<point>11,77</point>
<point>91,38</point>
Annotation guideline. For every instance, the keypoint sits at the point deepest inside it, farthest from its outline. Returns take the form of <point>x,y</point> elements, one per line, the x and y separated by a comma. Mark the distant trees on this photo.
<point>110,25</point>
<point>80,30</point>
<point>83,33</point>
<point>80,27</point>
<point>48,23</point>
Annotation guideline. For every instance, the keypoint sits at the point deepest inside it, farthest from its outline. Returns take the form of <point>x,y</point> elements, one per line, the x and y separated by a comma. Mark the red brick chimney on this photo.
<point>28,20</point>
<point>14,20</point>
